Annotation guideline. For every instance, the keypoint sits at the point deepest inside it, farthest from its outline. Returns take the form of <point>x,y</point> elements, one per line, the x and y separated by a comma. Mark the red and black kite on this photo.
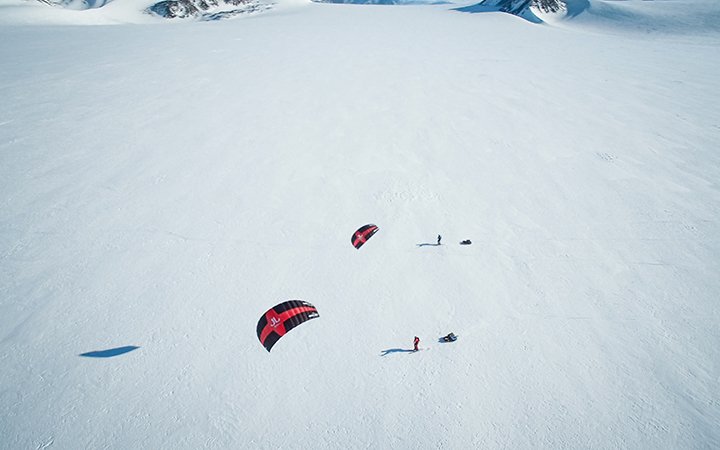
<point>364,233</point>
<point>282,318</point>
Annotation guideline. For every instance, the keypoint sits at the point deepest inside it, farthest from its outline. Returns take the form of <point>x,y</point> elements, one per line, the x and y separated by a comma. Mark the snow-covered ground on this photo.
<point>163,184</point>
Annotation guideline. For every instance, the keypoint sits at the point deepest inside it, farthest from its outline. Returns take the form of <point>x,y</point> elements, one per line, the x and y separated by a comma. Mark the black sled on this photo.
<point>449,338</point>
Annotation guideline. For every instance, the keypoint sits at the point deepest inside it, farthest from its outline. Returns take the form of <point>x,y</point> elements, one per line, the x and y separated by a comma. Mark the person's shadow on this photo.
<point>426,244</point>
<point>109,353</point>
<point>396,350</point>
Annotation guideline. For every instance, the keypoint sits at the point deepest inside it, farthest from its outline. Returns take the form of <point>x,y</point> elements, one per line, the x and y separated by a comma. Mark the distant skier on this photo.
<point>416,342</point>
<point>439,239</point>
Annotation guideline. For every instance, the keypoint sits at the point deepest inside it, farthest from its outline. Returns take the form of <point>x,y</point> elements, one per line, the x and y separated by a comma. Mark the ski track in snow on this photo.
<point>161,186</point>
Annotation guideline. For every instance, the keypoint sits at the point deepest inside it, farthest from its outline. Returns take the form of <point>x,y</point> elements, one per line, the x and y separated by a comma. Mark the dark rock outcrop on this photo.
<point>206,9</point>
<point>522,8</point>
<point>519,7</point>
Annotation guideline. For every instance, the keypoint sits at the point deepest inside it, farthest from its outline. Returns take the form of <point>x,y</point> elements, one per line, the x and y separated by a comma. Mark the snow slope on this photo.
<point>664,16</point>
<point>162,186</point>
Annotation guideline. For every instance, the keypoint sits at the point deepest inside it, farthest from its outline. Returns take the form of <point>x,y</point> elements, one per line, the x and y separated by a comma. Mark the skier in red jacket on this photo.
<point>416,342</point>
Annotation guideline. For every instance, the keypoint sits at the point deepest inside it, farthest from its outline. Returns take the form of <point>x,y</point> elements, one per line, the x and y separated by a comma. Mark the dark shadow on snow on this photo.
<point>478,8</point>
<point>575,7</point>
<point>109,353</point>
<point>520,8</point>
<point>396,350</point>
<point>427,243</point>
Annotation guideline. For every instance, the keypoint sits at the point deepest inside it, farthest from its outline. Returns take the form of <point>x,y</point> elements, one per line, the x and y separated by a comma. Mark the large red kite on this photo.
<point>282,318</point>
<point>364,233</point>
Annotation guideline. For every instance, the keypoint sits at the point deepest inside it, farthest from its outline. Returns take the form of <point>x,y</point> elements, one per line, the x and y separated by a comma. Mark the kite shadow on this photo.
<point>109,353</point>
<point>426,244</point>
<point>396,350</point>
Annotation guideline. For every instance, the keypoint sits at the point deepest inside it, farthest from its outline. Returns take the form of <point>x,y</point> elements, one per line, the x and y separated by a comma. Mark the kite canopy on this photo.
<point>282,318</point>
<point>363,233</point>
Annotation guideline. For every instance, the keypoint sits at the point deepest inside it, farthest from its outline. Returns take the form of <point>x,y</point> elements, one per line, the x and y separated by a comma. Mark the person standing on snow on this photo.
<point>416,342</point>
<point>439,238</point>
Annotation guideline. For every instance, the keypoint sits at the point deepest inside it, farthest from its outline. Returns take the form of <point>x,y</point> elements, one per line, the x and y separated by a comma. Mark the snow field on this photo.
<point>163,186</point>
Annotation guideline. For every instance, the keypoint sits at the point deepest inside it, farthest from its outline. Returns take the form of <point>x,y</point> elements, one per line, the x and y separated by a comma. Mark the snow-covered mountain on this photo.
<point>76,4</point>
<point>177,9</point>
<point>163,183</point>
<point>207,9</point>
<point>523,8</point>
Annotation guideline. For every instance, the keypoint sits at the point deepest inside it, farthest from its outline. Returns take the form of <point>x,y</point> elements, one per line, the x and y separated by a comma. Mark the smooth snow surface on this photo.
<point>161,186</point>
